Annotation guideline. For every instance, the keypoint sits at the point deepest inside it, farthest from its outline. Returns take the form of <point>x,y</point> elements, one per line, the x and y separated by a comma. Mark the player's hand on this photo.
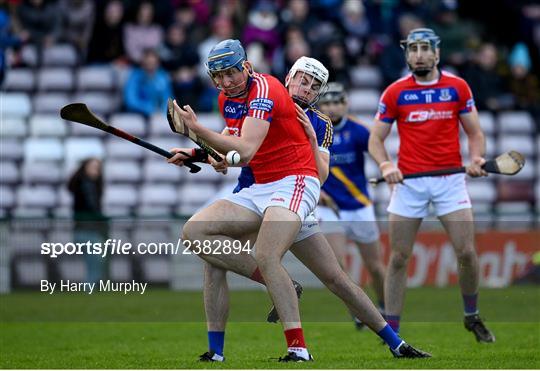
<point>180,155</point>
<point>306,124</point>
<point>390,172</point>
<point>475,168</point>
<point>188,117</point>
<point>220,167</point>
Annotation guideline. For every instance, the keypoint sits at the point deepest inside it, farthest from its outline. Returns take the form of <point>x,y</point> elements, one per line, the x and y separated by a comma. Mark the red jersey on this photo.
<point>286,149</point>
<point>427,116</point>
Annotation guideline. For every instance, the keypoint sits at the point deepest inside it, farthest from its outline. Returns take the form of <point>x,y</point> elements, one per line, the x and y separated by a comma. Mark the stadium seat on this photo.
<point>121,171</point>
<point>58,78</point>
<point>158,194</point>
<point>491,147</point>
<point>160,171</point>
<point>212,121</point>
<point>207,174</point>
<point>36,196</point>
<point>15,105</point>
<point>29,55</point>
<point>366,77</point>
<point>519,122</point>
<point>25,242</point>
<point>30,271</point>
<point>81,130</point>
<point>78,149</point>
<point>73,269</point>
<point>116,211</point>
<point>14,127</point>
<point>42,124</point>
<point>95,78</point>
<point>65,198</point>
<point>43,149</point>
<point>363,100</point>
<point>196,194</point>
<point>11,149</point>
<point>487,122</point>
<point>9,172</point>
<point>521,143</point>
<point>117,148</point>
<point>23,212</point>
<point>100,103</point>
<point>120,195</point>
<point>133,123</point>
<point>481,190</point>
<point>151,211</point>
<point>39,172</point>
<point>7,197</point>
<point>60,55</point>
<point>158,125</point>
<point>172,141</point>
<point>20,79</point>
<point>156,269</point>
<point>50,102</point>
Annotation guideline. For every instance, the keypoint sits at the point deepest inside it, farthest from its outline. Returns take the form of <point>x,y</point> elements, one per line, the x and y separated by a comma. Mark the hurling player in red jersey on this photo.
<point>306,79</point>
<point>428,105</point>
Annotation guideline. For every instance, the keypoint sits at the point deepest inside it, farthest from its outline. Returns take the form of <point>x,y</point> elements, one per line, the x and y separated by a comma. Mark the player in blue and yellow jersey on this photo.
<point>347,188</point>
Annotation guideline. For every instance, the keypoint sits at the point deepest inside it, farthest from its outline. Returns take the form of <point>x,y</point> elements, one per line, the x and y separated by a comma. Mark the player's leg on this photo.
<point>216,306</point>
<point>315,253</point>
<point>401,233</point>
<point>453,207</point>
<point>223,222</point>
<point>460,228</point>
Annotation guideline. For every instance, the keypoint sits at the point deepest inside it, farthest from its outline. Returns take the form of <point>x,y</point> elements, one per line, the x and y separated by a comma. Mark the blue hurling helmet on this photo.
<point>421,35</point>
<point>224,55</point>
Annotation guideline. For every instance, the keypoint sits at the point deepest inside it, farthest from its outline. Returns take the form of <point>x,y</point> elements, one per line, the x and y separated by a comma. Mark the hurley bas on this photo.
<point>91,287</point>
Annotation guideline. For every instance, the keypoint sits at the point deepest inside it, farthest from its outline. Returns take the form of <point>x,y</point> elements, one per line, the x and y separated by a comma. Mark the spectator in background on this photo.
<point>356,26</point>
<point>337,61</point>
<point>186,17</point>
<point>86,186</point>
<point>295,48</point>
<point>143,34</point>
<point>391,59</point>
<point>107,42</point>
<point>222,29</point>
<point>459,36</point>
<point>262,27</point>
<point>40,22</point>
<point>147,88</point>
<point>176,50</point>
<point>77,22</point>
<point>297,14</point>
<point>486,82</point>
<point>524,85</point>
<point>7,40</point>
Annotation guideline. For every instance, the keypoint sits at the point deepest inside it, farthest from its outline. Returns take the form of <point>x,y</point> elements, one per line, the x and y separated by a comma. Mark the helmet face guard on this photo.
<point>335,93</point>
<point>226,55</point>
<point>316,71</point>
<point>421,36</point>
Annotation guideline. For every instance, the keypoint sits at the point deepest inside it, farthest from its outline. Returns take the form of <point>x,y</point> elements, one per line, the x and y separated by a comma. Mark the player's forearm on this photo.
<point>322,165</point>
<point>477,145</point>
<point>225,143</point>
<point>377,150</point>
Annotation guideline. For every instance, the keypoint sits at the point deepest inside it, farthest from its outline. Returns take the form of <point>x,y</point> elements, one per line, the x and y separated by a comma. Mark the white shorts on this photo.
<point>359,225</point>
<point>297,193</point>
<point>310,226</point>
<point>447,194</point>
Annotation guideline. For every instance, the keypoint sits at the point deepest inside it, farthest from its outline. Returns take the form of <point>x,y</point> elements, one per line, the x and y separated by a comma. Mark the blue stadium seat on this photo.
<point>91,78</point>
<point>47,124</point>
<point>155,170</point>
<point>50,102</point>
<point>43,149</point>
<point>15,105</point>
<point>60,55</point>
<point>116,171</point>
<point>13,127</point>
<point>133,123</point>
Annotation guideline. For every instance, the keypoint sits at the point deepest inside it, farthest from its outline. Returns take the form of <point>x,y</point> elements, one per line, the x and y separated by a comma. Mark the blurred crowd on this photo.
<point>494,45</point>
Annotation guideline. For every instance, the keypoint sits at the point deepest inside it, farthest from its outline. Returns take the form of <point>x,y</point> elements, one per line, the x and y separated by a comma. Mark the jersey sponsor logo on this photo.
<point>262,104</point>
<point>427,96</point>
<point>382,108</point>
<point>234,110</point>
<point>421,116</point>
<point>343,158</point>
<point>410,97</point>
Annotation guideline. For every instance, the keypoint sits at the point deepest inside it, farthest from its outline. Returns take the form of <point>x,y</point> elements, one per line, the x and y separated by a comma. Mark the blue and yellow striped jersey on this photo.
<point>347,183</point>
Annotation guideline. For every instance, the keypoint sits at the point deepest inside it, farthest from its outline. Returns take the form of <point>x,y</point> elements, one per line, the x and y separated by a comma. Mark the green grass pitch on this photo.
<point>164,329</point>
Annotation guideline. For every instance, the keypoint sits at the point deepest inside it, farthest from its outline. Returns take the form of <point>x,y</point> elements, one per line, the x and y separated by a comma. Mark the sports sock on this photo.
<point>469,304</point>
<point>216,340</point>
<point>393,321</point>
<point>257,276</point>
<point>296,342</point>
<point>390,337</point>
